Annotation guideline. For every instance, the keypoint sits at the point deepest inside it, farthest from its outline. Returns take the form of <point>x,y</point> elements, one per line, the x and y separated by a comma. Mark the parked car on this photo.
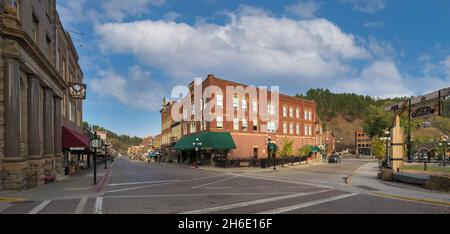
<point>334,158</point>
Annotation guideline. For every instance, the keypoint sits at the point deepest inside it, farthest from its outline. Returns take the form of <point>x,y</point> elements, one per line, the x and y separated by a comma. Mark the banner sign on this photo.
<point>77,91</point>
<point>425,111</point>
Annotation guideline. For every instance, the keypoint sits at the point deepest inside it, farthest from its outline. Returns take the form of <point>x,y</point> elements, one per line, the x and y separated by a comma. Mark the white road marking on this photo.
<point>38,208</point>
<point>214,182</point>
<point>81,205</point>
<point>196,195</point>
<point>250,203</point>
<point>99,205</point>
<point>307,204</point>
<point>143,182</point>
<point>284,181</point>
<point>154,185</point>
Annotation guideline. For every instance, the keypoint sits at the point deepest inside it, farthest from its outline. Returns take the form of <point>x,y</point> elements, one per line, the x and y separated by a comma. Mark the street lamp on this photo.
<point>444,143</point>
<point>387,137</point>
<point>95,143</point>
<point>106,154</point>
<point>196,144</point>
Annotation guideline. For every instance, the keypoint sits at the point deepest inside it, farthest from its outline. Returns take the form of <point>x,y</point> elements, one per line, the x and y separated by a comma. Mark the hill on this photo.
<point>119,142</point>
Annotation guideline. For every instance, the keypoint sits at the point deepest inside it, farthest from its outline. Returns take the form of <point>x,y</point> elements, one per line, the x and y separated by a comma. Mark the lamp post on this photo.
<point>387,133</point>
<point>196,144</point>
<point>106,154</point>
<point>444,143</point>
<point>271,149</point>
<point>95,144</point>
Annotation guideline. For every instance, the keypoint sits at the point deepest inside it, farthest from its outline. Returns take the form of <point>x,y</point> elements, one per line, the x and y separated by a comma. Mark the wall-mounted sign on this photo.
<point>77,91</point>
<point>425,111</point>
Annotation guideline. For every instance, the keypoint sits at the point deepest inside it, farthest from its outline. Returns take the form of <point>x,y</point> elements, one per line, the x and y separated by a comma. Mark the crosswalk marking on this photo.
<point>143,182</point>
<point>99,205</point>
<point>250,203</point>
<point>81,205</point>
<point>307,204</point>
<point>215,182</point>
<point>39,207</point>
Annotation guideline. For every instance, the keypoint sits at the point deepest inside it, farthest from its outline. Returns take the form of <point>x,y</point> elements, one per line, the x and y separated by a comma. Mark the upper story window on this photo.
<point>291,128</point>
<point>297,113</point>
<point>35,29</point>
<point>48,47</point>
<point>244,104</point>
<point>297,129</point>
<point>236,124</point>
<point>285,128</point>
<point>193,127</point>
<point>270,109</point>
<point>235,102</point>
<point>271,126</point>
<point>255,124</point>
<point>291,112</point>
<point>244,125</point>
<point>255,106</point>
<point>219,121</point>
<point>219,100</point>
<point>284,111</point>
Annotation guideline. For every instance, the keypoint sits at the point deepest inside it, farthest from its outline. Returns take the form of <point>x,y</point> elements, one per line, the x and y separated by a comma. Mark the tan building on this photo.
<point>363,143</point>
<point>37,63</point>
<point>238,139</point>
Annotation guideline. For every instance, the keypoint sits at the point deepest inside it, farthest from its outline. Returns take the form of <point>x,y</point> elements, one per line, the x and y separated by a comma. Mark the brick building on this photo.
<point>238,138</point>
<point>363,143</point>
<point>38,63</point>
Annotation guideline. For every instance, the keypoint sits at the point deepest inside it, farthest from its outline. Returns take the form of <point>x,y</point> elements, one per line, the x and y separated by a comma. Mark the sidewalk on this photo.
<point>366,177</point>
<point>78,186</point>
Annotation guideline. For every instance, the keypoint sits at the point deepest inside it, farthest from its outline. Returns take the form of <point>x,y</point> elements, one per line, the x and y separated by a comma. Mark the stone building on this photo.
<point>38,61</point>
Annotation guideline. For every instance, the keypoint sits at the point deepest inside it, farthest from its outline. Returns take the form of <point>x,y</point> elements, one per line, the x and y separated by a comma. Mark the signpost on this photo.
<point>77,90</point>
<point>272,149</point>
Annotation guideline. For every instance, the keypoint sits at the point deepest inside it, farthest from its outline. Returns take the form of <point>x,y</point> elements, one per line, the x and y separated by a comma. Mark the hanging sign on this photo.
<point>77,91</point>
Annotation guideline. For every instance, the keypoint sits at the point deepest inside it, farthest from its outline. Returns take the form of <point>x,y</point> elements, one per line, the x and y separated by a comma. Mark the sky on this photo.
<point>134,52</point>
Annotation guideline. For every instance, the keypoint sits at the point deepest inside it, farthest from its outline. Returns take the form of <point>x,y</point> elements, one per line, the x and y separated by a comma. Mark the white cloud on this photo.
<point>380,79</point>
<point>304,9</point>
<point>253,46</point>
<point>367,6</point>
<point>138,89</point>
<point>72,11</point>
<point>172,16</point>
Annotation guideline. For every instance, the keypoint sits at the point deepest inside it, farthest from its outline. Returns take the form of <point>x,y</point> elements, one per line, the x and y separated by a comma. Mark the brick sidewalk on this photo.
<point>78,186</point>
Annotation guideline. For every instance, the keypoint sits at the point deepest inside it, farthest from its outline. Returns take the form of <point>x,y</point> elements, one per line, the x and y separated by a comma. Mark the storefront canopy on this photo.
<point>315,149</point>
<point>208,140</point>
<point>73,139</point>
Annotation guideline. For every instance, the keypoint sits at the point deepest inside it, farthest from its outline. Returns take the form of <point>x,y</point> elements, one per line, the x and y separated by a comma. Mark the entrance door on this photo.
<point>255,152</point>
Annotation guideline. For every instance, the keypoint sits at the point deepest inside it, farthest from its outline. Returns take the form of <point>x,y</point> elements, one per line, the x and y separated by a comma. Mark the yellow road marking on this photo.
<point>421,200</point>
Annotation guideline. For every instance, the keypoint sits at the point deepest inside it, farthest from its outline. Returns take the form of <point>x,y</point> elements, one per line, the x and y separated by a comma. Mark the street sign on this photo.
<point>427,99</point>
<point>425,111</point>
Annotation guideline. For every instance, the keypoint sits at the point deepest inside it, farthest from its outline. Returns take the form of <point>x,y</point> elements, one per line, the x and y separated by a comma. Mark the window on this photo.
<point>310,115</point>
<point>219,120</point>
<point>305,114</point>
<point>35,29</point>
<point>298,129</point>
<point>285,128</point>
<point>255,124</point>
<point>255,106</point>
<point>291,112</point>
<point>193,127</point>
<point>235,102</point>
<point>270,109</point>
<point>255,152</point>
<point>271,126</point>
<point>291,128</point>
<point>244,104</point>
<point>236,124</point>
<point>244,125</point>
<point>48,47</point>
<point>16,4</point>
<point>306,130</point>
<point>297,113</point>
<point>219,100</point>
<point>284,111</point>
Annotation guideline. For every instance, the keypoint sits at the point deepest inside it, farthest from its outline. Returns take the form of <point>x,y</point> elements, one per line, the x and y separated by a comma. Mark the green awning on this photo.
<point>315,149</point>
<point>209,141</point>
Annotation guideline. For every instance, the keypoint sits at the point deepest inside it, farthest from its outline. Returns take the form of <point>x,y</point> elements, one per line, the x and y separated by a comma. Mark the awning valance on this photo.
<point>209,141</point>
<point>73,139</point>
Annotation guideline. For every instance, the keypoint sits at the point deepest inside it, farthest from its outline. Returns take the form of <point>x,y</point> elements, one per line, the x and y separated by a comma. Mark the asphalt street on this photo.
<point>151,188</point>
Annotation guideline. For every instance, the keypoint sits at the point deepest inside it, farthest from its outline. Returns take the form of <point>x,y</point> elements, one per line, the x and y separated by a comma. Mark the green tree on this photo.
<point>377,121</point>
<point>304,151</point>
<point>378,147</point>
<point>287,147</point>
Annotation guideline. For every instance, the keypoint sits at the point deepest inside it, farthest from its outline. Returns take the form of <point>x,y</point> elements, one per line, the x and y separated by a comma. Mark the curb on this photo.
<point>348,179</point>
<point>420,200</point>
<point>104,180</point>
<point>11,199</point>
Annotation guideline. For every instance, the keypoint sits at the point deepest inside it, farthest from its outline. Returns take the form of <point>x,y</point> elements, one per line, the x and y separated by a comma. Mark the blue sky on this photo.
<point>134,52</point>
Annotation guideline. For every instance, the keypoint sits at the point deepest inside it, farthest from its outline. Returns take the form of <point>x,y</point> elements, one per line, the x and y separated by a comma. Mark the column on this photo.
<point>13,163</point>
<point>49,166</point>
<point>35,159</point>
<point>58,135</point>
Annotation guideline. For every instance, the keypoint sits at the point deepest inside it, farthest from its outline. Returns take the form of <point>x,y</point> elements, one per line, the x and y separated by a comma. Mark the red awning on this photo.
<point>73,139</point>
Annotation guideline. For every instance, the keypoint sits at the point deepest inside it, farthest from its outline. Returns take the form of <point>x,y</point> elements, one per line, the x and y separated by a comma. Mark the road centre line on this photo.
<point>81,205</point>
<point>215,182</point>
<point>307,204</point>
<point>143,182</point>
<point>39,207</point>
<point>154,185</point>
<point>250,203</point>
